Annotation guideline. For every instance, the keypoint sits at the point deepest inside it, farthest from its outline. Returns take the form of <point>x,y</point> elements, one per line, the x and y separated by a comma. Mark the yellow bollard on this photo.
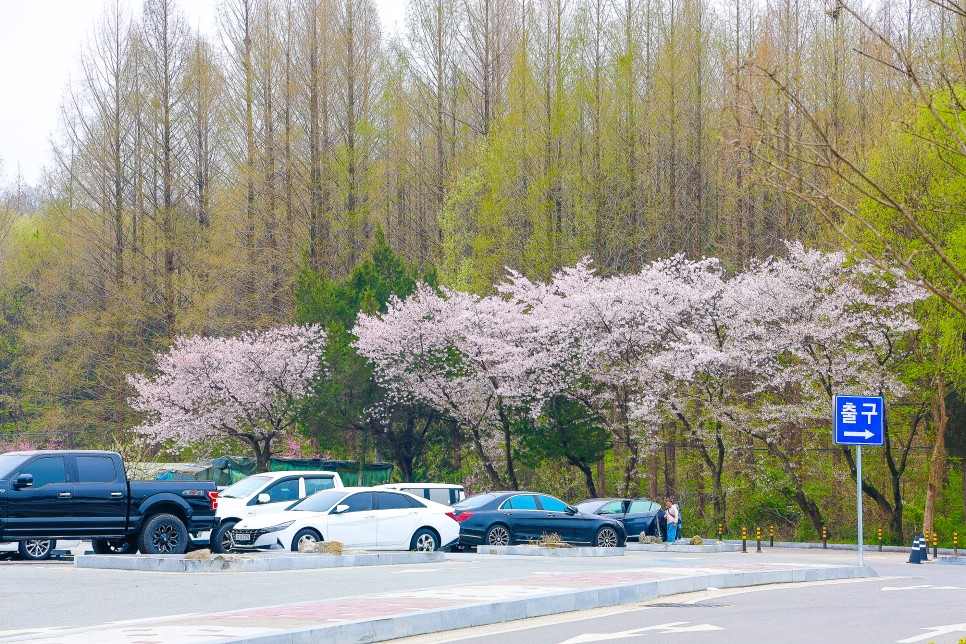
<point>720,531</point>
<point>824,537</point>
<point>955,544</point>
<point>758,536</point>
<point>935,544</point>
<point>880,539</point>
<point>771,536</point>
<point>744,539</point>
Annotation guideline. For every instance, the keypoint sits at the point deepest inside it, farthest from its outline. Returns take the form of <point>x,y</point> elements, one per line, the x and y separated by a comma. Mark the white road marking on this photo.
<point>413,570</point>
<point>933,632</point>
<point>664,629</point>
<point>922,587</point>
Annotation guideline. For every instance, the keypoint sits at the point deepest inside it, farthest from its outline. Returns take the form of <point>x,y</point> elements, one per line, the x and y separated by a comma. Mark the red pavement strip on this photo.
<point>318,620</point>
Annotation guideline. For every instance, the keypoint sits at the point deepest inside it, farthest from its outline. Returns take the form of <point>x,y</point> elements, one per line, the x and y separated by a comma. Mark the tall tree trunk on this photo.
<point>938,460</point>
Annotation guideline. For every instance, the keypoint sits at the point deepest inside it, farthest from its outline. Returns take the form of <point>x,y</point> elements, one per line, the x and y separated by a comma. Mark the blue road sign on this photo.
<point>859,420</point>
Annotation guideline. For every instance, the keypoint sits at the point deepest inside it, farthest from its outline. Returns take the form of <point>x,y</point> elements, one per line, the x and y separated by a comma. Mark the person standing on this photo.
<point>677,508</point>
<point>671,512</point>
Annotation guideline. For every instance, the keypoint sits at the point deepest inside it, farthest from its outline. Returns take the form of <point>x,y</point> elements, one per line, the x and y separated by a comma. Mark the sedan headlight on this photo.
<point>276,528</point>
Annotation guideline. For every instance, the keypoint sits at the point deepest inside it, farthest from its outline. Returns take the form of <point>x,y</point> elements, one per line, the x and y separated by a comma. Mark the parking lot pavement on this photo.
<point>906,604</point>
<point>366,604</point>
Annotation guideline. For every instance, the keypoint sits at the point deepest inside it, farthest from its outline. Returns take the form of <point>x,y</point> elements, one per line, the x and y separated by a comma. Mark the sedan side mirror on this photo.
<point>264,497</point>
<point>342,507</point>
<point>571,510</point>
<point>22,481</point>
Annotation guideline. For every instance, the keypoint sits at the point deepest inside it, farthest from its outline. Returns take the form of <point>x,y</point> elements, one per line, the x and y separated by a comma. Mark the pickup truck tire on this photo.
<point>163,534</point>
<point>36,549</point>
<point>114,546</point>
<point>221,540</point>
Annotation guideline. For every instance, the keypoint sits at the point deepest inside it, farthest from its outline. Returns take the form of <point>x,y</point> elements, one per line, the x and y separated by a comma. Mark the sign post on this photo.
<point>859,420</point>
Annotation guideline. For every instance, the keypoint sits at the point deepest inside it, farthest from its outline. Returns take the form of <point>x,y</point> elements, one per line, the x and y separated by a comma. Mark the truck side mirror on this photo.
<point>23,481</point>
<point>264,497</point>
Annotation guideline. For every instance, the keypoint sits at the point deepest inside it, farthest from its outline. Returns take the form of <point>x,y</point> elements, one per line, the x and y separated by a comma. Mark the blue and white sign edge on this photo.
<point>878,438</point>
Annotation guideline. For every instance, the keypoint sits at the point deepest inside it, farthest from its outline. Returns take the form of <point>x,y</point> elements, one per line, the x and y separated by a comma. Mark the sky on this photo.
<point>40,41</point>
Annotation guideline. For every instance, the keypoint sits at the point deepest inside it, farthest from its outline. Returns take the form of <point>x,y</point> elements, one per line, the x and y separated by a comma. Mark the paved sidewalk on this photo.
<point>384,616</point>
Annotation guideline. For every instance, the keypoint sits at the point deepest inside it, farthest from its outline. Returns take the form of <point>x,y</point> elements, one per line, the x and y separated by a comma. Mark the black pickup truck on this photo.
<point>86,495</point>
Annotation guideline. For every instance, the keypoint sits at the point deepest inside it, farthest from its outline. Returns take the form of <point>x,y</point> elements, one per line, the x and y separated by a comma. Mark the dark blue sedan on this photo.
<point>505,518</point>
<point>636,515</point>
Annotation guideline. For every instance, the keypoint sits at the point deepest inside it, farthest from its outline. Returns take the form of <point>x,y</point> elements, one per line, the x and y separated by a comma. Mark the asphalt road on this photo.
<point>38,595</point>
<point>905,604</point>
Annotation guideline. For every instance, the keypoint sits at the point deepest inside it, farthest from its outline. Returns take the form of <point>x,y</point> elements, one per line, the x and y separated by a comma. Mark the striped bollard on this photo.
<point>744,539</point>
<point>824,538</point>
<point>771,536</point>
<point>758,535</point>
<point>935,544</point>
<point>880,539</point>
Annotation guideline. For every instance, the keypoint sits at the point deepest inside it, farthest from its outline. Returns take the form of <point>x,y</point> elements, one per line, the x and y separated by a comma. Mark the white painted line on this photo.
<point>664,629</point>
<point>933,632</point>
<point>922,587</point>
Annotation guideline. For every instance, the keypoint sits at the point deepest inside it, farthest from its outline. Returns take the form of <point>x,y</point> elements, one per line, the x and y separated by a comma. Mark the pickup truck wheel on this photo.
<point>163,534</point>
<point>222,538</point>
<point>36,549</point>
<point>114,546</point>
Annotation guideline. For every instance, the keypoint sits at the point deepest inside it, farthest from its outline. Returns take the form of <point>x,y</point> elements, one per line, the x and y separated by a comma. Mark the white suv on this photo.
<point>264,494</point>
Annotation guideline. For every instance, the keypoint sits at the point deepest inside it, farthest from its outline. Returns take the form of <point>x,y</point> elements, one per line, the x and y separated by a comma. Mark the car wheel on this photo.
<point>607,538</point>
<point>223,539</point>
<point>424,541</point>
<point>163,534</point>
<point>303,536</point>
<point>36,549</point>
<point>114,546</point>
<point>498,535</point>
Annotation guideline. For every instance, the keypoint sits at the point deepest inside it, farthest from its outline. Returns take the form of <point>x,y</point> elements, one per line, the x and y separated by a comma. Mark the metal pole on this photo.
<point>858,493</point>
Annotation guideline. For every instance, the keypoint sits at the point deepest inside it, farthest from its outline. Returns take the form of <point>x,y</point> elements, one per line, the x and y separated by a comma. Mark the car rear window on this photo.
<point>476,501</point>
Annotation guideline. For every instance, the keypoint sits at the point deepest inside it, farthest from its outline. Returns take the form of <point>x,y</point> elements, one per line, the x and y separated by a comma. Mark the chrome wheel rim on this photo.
<point>607,538</point>
<point>426,542</point>
<point>37,547</point>
<point>499,536</point>
<point>306,538</point>
<point>165,538</point>
<point>228,540</point>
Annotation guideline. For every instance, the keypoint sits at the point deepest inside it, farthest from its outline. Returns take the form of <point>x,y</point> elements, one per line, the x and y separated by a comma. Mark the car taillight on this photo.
<point>213,499</point>
<point>462,516</point>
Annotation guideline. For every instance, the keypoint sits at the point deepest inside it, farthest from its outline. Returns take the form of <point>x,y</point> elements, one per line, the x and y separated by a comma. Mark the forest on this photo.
<point>300,167</point>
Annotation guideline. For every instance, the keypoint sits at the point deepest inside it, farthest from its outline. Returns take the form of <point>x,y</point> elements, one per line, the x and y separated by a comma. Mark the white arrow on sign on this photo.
<point>933,632</point>
<point>670,627</point>
<point>921,587</point>
<point>863,434</point>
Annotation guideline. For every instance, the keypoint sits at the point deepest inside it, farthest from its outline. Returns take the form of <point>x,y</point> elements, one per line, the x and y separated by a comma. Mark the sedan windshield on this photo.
<point>10,462</point>
<point>589,507</point>
<point>319,502</point>
<point>244,488</point>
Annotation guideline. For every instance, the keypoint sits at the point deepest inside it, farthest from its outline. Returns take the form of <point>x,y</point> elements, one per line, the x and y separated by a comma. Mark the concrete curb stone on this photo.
<point>683,547</point>
<point>800,545</point>
<point>537,551</point>
<point>252,563</point>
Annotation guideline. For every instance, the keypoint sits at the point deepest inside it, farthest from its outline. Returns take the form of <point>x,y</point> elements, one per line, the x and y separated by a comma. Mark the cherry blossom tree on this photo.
<point>814,324</point>
<point>467,356</point>
<point>246,387</point>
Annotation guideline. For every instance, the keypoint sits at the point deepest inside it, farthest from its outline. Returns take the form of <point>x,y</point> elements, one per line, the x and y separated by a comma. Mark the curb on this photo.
<point>833,546</point>
<point>685,547</point>
<point>484,613</point>
<point>243,563</point>
<point>537,551</point>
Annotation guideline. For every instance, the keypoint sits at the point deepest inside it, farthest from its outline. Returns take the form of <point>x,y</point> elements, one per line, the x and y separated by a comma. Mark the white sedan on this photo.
<point>357,517</point>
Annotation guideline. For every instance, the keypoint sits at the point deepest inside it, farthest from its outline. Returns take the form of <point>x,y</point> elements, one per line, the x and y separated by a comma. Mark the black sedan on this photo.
<point>505,518</point>
<point>636,515</point>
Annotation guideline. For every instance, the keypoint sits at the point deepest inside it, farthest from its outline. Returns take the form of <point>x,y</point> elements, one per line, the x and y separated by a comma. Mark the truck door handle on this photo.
<point>63,495</point>
<point>116,495</point>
